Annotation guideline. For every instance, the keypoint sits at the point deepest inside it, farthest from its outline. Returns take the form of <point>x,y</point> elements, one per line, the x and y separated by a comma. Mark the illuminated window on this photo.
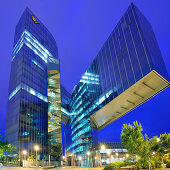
<point>29,90</point>
<point>34,45</point>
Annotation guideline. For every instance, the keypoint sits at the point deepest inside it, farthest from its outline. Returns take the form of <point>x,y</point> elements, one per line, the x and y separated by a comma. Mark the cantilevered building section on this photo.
<point>127,71</point>
<point>34,53</point>
<point>131,68</point>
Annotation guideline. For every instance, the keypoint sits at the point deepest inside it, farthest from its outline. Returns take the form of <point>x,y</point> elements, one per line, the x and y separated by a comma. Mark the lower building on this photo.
<point>109,152</point>
<point>102,154</point>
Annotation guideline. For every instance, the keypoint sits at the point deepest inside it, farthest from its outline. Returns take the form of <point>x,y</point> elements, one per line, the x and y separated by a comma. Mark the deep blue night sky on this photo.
<point>80,28</point>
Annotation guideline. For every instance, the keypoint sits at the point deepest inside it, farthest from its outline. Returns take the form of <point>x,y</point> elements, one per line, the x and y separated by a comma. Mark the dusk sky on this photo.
<point>80,28</point>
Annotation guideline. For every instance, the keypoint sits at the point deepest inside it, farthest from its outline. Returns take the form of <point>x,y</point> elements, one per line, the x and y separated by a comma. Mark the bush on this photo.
<point>32,158</point>
<point>117,165</point>
<point>142,164</point>
<point>168,165</point>
<point>158,164</point>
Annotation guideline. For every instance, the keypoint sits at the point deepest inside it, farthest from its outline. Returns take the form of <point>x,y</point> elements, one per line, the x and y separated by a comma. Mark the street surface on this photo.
<point>64,168</point>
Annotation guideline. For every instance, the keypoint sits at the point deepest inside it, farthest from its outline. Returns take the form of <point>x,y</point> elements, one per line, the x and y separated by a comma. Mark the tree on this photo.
<point>1,146</point>
<point>160,146</point>
<point>135,142</point>
<point>8,149</point>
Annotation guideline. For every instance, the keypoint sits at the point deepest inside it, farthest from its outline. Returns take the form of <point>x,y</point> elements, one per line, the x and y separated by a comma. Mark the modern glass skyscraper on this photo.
<point>34,69</point>
<point>127,71</point>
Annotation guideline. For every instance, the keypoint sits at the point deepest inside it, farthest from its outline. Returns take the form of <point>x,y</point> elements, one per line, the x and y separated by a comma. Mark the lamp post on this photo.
<point>88,153</point>
<point>112,159</point>
<point>103,148</point>
<point>24,152</point>
<point>80,158</point>
<point>127,155</point>
<point>95,158</point>
<point>117,155</point>
<point>36,147</point>
<point>109,156</point>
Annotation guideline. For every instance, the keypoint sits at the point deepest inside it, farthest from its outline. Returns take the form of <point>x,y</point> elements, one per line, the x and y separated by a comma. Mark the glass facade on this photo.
<point>54,114</point>
<point>129,54</point>
<point>34,54</point>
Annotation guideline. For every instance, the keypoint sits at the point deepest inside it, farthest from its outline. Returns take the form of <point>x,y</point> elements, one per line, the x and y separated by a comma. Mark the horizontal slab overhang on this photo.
<point>131,98</point>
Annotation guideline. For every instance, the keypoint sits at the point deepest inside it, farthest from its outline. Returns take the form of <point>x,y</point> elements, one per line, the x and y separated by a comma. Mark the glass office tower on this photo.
<point>127,71</point>
<point>34,54</point>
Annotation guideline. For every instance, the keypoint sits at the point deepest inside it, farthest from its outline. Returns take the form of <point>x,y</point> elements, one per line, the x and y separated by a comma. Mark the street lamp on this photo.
<point>36,147</point>
<point>80,158</point>
<point>127,155</point>
<point>88,153</point>
<point>137,157</point>
<point>112,158</point>
<point>117,155</point>
<point>103,148</point>
<point>109,156</point>
<point>24,152</point>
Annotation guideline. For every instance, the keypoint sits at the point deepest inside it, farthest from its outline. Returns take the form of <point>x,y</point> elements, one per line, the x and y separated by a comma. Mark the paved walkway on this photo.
<point>64,168</point>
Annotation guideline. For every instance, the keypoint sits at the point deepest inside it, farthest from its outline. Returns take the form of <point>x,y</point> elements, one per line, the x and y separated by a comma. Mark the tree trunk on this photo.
<point>150,167</point>
<point>163,163</point>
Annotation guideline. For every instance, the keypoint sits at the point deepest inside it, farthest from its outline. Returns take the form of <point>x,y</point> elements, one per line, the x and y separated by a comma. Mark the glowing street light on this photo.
<point>24,152</point>
<point>127,155</point>
<point>80,158</point>
<point>116,154</point>
<point>137,157</point>
<point>102,147</point>
<point>88,153</point>
<point>36,147</point>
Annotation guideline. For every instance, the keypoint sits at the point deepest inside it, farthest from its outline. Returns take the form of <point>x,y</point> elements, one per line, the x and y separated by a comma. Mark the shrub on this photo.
<point>168,165</point>
<point>117,165</point>
<point>32,158</point>
<point>142,164</point>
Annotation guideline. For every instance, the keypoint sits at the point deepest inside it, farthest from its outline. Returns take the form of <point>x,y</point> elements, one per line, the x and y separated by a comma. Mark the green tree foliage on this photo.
<point>8,149</point>
<point>151,152</point>
<point>160,147</point>
<point>134,141</point>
